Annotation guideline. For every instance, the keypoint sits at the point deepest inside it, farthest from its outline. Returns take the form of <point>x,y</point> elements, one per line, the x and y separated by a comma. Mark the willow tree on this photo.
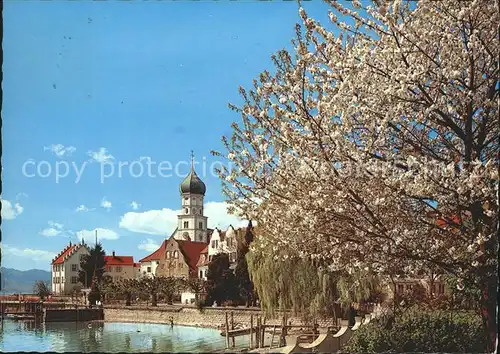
<point>376,141</point>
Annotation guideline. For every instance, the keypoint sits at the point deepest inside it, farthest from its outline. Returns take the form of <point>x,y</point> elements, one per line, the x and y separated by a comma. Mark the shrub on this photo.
<point>421,331</point>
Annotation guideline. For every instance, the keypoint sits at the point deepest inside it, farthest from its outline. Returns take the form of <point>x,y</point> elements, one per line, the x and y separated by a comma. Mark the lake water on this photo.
<point>109,337</point>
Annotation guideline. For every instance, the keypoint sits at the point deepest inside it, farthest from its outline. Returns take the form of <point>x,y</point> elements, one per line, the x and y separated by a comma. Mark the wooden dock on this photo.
<point>257,333</point>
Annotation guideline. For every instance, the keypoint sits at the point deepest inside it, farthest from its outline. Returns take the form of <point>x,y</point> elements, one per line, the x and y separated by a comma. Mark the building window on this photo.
<point>173,265</point>
<point>400,289</point>
<point>201,274</point>
<point>176,254</point>
<point>200,225</point>
<point>168,254</point>
<point>181,265</point>
<point>118,269</point>
<point>62,280</point>
<point>187,211</point>
<point>81,257</point>
<point>74,267</point>
<point>186,224</point>
<point>74,280</point>
<point>157,262</point>
<point>213,243</point>
<point>149,269</point>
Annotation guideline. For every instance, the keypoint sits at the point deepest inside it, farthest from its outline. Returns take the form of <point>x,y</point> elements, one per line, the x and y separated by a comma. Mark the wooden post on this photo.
<point>251,332</point>
<point>232,327</point>
<point>263,333</point>
<point>227,332</point>
<point>272,338</point>
<point>257,333</point>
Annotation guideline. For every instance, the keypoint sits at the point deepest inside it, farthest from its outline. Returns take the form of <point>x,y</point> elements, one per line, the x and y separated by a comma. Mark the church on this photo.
<point>179,254</point>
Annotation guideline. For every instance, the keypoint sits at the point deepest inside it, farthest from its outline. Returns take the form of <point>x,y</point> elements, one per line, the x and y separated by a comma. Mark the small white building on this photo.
<point>65,268</point>
<point>223,242</point>
<point>149,263</point>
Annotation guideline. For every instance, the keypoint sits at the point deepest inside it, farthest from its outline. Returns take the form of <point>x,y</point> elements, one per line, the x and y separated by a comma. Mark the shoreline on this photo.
<point>159,323</point>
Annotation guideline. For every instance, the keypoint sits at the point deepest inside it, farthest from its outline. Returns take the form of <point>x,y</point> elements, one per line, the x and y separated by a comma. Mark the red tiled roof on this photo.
<point>137,265</point>
<point>119,260</point>
<point>205,261</point>
<point>60,258</point>
<point>156,255</point>
<point>191,251</point>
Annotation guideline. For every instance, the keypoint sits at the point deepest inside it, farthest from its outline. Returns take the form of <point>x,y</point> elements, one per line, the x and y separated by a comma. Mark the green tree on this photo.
<point>92,265</point>
<point>245,285</point>
<point>95,292</point>
<point>221,283</point>
<point>127,288</point>
<point>196,285</point>
<point>41,289</point>
<point>154,286</point>
<point>169,287</point>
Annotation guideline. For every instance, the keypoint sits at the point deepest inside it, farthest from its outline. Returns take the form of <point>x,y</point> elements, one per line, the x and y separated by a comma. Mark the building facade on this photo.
<point>65,268</point>
<point>119,267</point>
<point>180,259</point>
<point>224,242</point>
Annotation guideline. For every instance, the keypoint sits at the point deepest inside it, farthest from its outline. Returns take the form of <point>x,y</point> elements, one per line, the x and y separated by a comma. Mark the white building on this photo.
<point>65,268</point>
<point>149,263</point>
<point>223,242</point>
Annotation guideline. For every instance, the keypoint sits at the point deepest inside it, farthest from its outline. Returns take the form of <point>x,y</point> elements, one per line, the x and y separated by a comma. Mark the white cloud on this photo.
<point>153,222</point>
<point>102,234</point>
<point>106,204</point>
<point>219,217</point>
<point>60,150</point>
<point>33,254</point>
<point>9,211</point>
<point>101,156</point>
<point>50,232</point>
<point>83,208</point>
<point>148,245</point>
<point>134,205</point>
<point>55,229</point>
<point>56,225</point>
<point>164,221</point>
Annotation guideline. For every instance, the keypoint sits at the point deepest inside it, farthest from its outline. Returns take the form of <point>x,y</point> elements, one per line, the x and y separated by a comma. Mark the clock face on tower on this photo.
<point>186,237</point>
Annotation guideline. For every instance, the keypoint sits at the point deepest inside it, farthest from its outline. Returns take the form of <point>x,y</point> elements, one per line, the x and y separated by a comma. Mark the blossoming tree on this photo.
<point>376,142</point>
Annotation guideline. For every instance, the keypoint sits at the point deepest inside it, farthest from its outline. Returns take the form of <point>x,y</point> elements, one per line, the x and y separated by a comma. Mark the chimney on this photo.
<point>113,253</point>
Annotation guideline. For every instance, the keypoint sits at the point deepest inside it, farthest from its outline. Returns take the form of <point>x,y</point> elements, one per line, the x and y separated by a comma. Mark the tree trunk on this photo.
<point>154,300</point>
<point>488,311</point>
<point>128,300</point>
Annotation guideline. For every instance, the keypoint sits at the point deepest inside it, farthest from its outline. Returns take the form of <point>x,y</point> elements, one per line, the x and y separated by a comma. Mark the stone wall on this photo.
<point>189,316</point>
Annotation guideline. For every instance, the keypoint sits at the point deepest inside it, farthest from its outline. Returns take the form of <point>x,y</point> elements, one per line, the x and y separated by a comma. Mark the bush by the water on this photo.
<point>421,331</point>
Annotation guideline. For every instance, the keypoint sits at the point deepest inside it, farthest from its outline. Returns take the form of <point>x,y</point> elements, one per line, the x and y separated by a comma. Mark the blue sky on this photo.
<point>87,82</point>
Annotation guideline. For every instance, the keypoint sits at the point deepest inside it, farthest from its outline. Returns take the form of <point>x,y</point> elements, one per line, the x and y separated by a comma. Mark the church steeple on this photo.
<point>192,224</point>
<point>192,183</point>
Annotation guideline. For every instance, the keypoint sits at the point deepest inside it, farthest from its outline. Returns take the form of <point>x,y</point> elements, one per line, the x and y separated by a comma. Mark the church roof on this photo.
<point>191,251</point>
<point>156,255</point>
<point>193,184</point>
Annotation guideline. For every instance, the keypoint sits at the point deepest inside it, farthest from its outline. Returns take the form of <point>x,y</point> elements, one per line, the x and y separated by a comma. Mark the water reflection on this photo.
<point>108,337</point>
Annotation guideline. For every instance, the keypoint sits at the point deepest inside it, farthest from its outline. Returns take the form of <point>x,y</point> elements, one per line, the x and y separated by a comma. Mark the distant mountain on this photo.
<point>22,281</point>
